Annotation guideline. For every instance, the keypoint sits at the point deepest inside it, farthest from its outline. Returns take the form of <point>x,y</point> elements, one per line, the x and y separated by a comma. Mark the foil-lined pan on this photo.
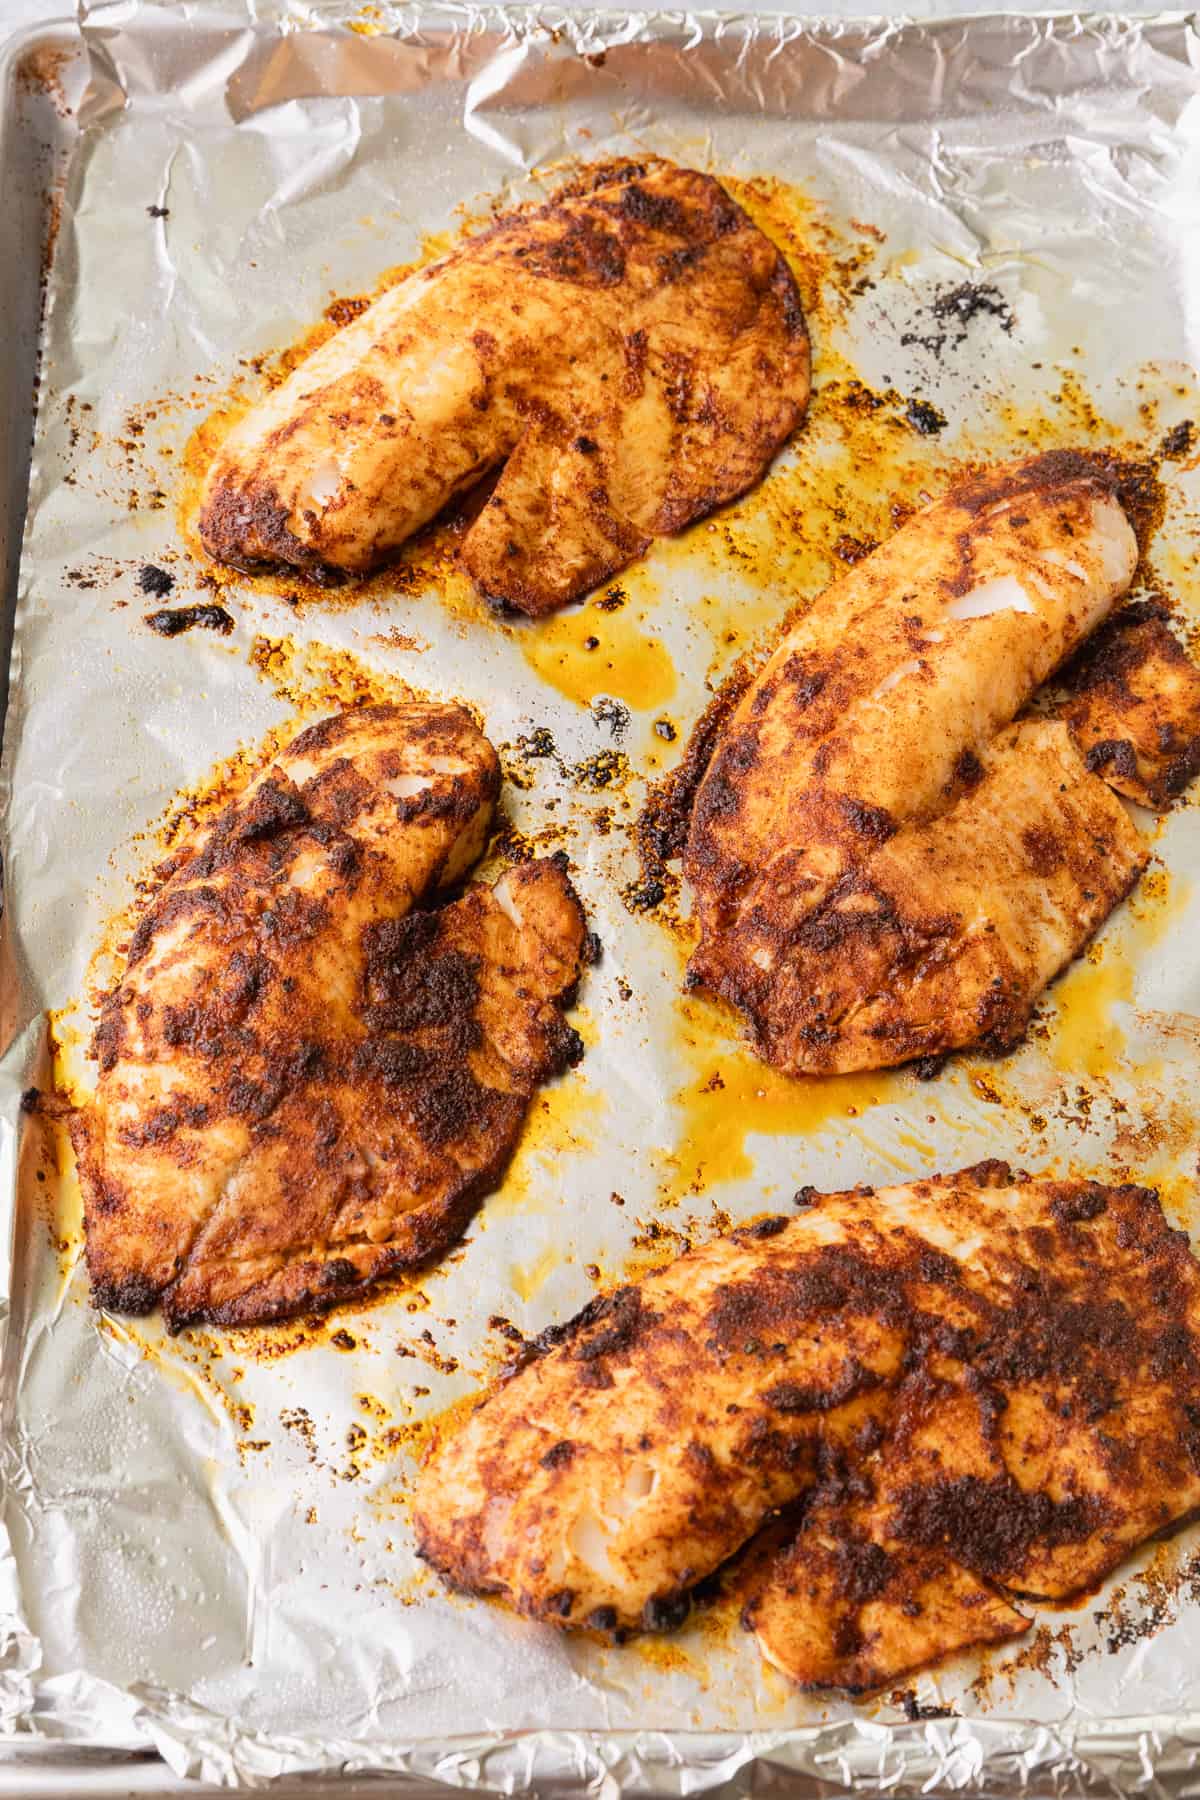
<point>205,1542</point>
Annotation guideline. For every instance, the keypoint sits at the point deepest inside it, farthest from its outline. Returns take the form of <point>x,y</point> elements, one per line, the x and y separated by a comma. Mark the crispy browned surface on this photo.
<point>1134,706</point>
<point>847,1605</point>
<point>950,931</point>
<point>1009,1368</point>
<point>634,350</point>
<point>303,1083</point>
<point>865,741</point>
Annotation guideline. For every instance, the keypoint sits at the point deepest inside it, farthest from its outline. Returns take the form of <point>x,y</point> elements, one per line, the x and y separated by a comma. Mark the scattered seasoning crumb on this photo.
<point>644,896</point>
<point>169,621</point>
<point>952,311</point>
<point>159,212</point>
<point>538,743</point>
<point>925,417</point>
<point>613,713</point>
<point>913,1709</point>
<point>153,580</point>
<point>664,729</point>
<point>591,643</point>
<point>1178,440</point>
<point>341,1340</point>
<point>612,600</point>
<point>601,770</point>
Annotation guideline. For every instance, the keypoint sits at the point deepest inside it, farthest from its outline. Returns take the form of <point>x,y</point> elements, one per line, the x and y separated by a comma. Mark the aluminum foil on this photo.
<point>205,1542</point>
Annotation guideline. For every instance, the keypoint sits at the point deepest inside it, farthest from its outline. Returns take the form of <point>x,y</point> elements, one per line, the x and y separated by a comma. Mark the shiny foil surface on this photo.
<point>206,1547</point>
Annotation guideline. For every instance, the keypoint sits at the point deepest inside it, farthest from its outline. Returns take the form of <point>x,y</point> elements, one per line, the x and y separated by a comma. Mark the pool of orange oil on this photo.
<point>731,1096</point>
<point>1087,1036</point>
<point>560,1124</point>
<point>606,646</point>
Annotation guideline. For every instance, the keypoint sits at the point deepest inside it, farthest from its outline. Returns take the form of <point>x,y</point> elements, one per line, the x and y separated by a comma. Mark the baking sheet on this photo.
<point>207,1544</point>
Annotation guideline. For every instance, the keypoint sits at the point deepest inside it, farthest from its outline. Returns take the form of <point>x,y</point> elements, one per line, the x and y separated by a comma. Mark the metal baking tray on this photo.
<point>204,1550</point>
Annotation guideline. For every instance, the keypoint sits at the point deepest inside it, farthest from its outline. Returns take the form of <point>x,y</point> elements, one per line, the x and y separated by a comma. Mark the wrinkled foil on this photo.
<point>185,1563</point>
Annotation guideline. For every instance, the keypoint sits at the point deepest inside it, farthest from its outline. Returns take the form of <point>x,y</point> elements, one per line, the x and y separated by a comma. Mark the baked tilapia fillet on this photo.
<point>958,1392</point>
<point>885,866</point>
<point>629,355</point>
<point>310,1073</point>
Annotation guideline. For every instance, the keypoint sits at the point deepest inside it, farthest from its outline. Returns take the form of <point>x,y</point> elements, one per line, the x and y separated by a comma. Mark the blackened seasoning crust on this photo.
<point>925,418</point>
<point>921,1395</point>
<point>324,1095</point>
<point>635,347</point>
<point>849,808</point>
<point>1133,704</point>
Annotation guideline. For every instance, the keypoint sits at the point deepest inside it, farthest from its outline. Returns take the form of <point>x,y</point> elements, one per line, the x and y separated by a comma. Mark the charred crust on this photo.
<point>273,809</point>
<point>863,1571</point>
<point>246,525</point>
<point>765,1228</point>
<point>315,739</point>
<point>991,1525</point>
<point>132,1294</point>
<point>795,1397</point>
<point>663,226</point>
<point>874,823</point>
<point>661,212</point>
<point>623,1324</point>
<point>781,1299</point>
<point>666,1612</point>
<point>622,1320</point>
<point>585,255</point>
<point>1135,692</point>
<point>1134,485</point>
<point>565,1048</point>
<point>992,1172</point>
<point>1050,1323</point>
<point>667,816</point>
